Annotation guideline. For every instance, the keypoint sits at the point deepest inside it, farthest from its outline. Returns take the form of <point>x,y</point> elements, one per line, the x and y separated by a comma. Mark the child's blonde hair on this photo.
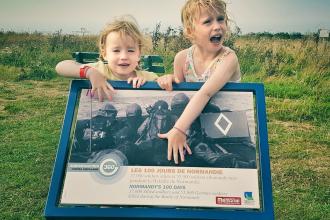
<point>193,8</point>
<point>125,26</point>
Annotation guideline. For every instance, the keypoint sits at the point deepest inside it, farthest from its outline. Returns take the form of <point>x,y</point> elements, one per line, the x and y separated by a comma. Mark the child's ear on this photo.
<point>189,33</point>
<point>139,55</point>
<point>103,54</point>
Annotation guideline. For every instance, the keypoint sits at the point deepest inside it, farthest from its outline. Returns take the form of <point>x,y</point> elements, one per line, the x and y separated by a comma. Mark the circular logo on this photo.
<point>108,167</point>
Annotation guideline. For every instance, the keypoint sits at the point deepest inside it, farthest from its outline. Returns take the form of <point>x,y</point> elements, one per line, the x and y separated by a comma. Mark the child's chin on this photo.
<point>216,47</point>
<point>125,73</point>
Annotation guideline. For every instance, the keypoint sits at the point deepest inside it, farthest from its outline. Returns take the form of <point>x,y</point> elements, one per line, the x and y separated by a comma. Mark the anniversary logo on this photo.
<point>116,157</point>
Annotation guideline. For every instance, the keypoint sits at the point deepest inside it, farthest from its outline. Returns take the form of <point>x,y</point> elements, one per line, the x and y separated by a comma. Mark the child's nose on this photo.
<point>217,26</point>
<point>123,55</point>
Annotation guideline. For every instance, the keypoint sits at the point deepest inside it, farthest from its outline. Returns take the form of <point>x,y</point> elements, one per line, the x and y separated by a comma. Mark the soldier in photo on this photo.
<point>124,137</point>
<point>95,134</point>
<point>127,135</point>
<point>152,149</point>
<point>157,121</point>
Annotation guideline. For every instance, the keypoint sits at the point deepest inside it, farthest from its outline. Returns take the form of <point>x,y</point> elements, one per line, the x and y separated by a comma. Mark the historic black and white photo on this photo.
<point>222,136</point>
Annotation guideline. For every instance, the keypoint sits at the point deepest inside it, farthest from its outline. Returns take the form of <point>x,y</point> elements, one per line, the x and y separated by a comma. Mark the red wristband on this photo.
<point>180,130</point>
<point>83,71</point>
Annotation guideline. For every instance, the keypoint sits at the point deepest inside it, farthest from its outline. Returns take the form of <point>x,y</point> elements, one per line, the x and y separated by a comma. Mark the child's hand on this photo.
<point>165,81</point>
<point>137,82</point>
<point>177,141</point>
<point>100,85</point>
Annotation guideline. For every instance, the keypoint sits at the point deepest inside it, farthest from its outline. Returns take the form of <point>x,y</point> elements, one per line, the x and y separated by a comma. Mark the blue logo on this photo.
<point>248,195</point>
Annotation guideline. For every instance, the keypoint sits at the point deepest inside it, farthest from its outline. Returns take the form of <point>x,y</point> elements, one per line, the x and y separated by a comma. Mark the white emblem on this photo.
<point>217,124</point>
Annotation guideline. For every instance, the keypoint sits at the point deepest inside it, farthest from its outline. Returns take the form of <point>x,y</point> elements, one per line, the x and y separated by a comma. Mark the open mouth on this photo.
<point>216,39</point>
<point>123,64</point>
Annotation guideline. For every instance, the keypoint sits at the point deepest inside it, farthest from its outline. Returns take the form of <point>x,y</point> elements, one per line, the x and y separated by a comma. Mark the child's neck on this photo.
<point>124,77</point>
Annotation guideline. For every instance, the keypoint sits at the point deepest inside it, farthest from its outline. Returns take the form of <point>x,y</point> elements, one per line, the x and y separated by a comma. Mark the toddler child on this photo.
<point>120,45</point>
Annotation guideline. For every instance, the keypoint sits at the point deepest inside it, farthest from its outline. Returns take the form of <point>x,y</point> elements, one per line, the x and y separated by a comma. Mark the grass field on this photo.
<point>296,77</point>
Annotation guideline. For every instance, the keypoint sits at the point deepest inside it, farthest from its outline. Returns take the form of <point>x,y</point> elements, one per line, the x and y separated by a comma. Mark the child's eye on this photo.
<point>220,18</point>
<point>207,21</point>
<point>131,50</point>
<point>115,50</point>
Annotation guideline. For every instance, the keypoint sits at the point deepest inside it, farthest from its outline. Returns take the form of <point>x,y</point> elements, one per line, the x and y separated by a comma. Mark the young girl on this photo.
<point>205,25</point>
<point>120,45</point>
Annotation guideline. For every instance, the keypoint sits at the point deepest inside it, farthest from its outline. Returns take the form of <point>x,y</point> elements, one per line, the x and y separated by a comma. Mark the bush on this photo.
<point>37,72</point>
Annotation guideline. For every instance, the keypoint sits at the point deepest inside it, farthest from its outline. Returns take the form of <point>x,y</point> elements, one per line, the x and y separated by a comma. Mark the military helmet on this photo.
<point>211,108</point>
<point>160,105</point>
<point>107,110</point>
<point>133,110</point>
<point>109,107</point>
<point>179,99</point>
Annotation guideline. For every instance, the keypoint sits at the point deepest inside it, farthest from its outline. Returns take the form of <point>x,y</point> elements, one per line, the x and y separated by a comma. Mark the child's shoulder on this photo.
<point>149,76</point>
<point>227,53</point>
<point>228,50</point>
<point>181,55</point>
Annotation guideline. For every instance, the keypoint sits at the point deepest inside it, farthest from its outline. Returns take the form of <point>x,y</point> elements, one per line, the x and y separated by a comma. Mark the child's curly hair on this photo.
<point>125,26</point>
<point>193,8</point>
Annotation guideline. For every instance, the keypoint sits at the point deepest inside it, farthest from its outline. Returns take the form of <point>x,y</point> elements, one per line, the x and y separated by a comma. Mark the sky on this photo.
<point>49,16</point>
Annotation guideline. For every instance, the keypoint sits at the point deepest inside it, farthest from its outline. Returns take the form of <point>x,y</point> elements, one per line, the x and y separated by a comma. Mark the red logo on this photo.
<point>220,200</point>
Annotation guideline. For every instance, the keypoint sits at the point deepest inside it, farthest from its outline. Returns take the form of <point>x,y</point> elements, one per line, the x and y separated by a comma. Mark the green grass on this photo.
<point>299,163</point>
<point>32,107</point>
<point>30,133</point>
